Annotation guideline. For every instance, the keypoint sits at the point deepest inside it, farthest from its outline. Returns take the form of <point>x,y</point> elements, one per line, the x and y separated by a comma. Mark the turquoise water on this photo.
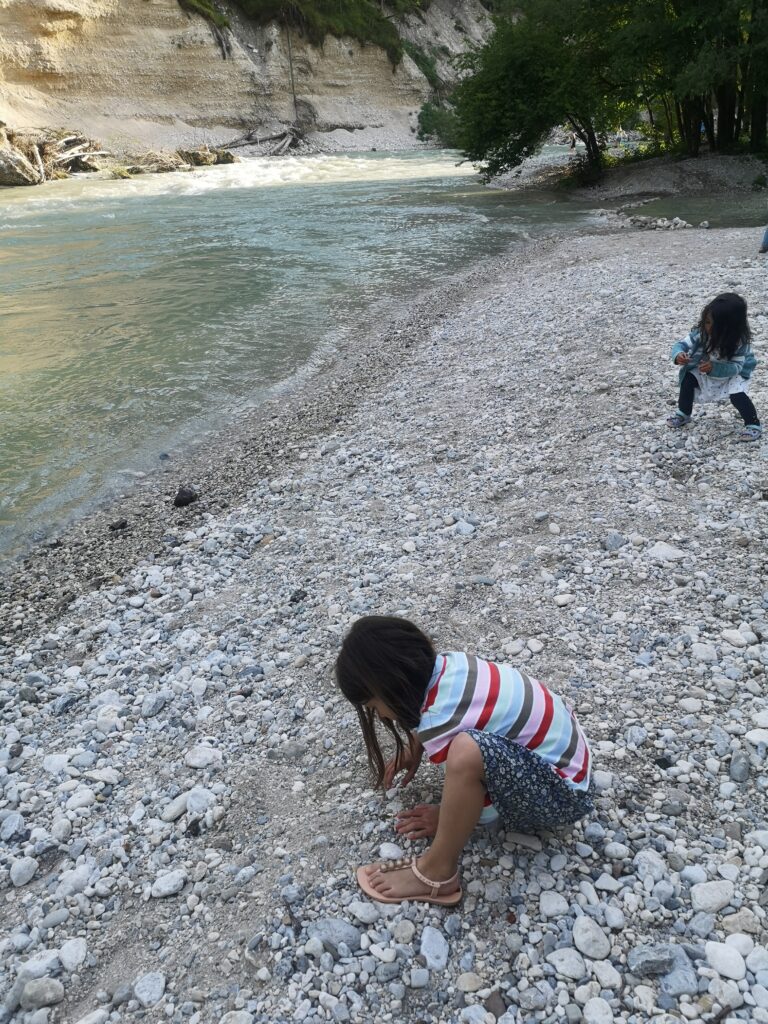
<point>136,315</point>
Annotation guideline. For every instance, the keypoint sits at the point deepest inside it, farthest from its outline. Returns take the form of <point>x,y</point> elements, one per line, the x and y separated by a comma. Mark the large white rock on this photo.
<point>663,552</point>
<point>704,652</point>
<point>202,756</point>
<point>149,988</point>
<point>22,871</point>
<point>552,904</point>
<point>590,939</point>
<point>73,953</point>
<point>597,1011</point>
<point>726,960</point>
<point>568,962</point>
<point>734,638</point>
<point>169,883</point>
<point>709,897</point>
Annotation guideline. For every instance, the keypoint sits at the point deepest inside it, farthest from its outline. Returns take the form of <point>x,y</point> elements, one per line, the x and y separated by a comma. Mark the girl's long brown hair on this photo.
<point>730,327</point>
<point>390,659</point>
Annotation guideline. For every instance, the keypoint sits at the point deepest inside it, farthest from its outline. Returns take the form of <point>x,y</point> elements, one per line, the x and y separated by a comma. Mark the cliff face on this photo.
<point>143,73</point>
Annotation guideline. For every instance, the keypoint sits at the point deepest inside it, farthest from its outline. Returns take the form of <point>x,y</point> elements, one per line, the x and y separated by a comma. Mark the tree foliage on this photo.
<point>368,21</point>
<point>694,68</point>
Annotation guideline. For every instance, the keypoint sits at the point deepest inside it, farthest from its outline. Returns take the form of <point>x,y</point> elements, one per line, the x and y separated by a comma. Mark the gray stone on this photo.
<point>536,997</point>
<point>726,960</point>
<point>614,918</point>
<point>365,913</point>
<point>237,1017</point>
<point>202,756</point>
<point>169,883</point>
<point>598,1011</point>
<point>175,808</point>
<point>23,870</point>
<point>73,953</point>
<point>552,904</point>
<point>681,981</point>
<point>648,864</point>
<point>419,977</point>
<point>335,930</point>
<point>739,767</point>
<point>704,652</point>
<point>94,1017</point>
<point>199,800</point>
<point>663,552</point>
<point>434,948</point>
<point>568,962</point>
<point>475,1014</point>
<point>710,897</point>
<point>645,961</point>
<point>590,939</point>
<point>149,988</point>
<point>12,827</point>
<point>153,704</point>
<point>41,992</point>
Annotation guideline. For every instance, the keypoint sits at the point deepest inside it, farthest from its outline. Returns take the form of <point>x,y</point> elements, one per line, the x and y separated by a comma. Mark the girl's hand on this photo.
<point>408,762</point>
<point>705,367</point>
<point>418,823</point>
<point>682,358</point>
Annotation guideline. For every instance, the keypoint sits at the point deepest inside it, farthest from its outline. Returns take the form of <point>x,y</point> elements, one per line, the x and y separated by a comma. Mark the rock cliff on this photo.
<point>144,73</point>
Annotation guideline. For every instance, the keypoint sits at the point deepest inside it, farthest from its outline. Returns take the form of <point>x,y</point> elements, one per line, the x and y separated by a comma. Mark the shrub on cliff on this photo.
<point>368,21</point>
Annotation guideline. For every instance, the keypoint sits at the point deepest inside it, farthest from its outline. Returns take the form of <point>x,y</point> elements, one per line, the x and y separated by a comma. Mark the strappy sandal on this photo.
<point>753,432</point>
<point>433,896</point>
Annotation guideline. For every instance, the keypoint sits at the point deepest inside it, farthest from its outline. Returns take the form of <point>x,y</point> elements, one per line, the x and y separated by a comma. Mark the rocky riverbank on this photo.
<point>183,795</point>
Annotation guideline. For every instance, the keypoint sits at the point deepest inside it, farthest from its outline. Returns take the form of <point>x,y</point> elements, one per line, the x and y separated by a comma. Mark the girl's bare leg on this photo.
<point>460,809</point>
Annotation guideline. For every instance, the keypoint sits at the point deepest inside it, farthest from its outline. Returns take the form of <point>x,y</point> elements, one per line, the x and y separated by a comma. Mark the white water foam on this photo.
<point>250,173</point>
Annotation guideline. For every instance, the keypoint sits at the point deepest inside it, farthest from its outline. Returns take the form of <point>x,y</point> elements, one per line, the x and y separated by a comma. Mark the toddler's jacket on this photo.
<point>742,363</point>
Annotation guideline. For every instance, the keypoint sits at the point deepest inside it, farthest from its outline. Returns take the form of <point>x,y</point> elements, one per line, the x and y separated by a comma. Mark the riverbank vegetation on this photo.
<point>367,21</point>
<point>691,73</point>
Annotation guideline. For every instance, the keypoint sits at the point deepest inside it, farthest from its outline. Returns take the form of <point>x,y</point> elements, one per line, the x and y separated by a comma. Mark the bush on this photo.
<point>440,124</point>
<point>363,20</point>
<point>207,10</point>
<point>424,62</point>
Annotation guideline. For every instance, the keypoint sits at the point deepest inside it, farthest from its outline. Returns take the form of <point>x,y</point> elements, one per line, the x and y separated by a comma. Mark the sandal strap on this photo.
<point>410,862</point>
<point>433,886</point>
<point>395,865</point>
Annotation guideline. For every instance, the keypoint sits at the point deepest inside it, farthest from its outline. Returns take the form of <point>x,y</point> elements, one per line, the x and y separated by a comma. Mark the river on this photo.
<point>137,315</point>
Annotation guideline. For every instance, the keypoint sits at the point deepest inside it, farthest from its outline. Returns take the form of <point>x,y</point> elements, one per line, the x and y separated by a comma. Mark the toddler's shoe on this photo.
<point>678,419</point>
<point>751,433</point>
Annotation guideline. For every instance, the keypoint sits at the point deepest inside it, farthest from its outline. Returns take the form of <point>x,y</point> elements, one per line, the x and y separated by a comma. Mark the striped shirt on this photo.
<point>466,692</point>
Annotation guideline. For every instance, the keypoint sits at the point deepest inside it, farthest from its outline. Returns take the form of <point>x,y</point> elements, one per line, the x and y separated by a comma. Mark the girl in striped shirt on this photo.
<point>511,748</point>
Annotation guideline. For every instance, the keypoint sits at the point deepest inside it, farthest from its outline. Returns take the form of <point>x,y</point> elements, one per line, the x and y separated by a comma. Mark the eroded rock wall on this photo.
<point>144,73</point>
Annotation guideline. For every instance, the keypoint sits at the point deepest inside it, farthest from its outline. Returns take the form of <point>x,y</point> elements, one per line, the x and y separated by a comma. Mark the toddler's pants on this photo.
<point>740,401</point>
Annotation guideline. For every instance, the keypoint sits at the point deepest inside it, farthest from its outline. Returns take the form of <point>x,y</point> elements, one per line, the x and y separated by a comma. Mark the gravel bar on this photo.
<point>183,795</point>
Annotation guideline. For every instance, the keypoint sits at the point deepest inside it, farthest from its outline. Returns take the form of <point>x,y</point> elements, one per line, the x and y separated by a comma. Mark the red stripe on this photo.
<point>582,773</point>
<point>441,755</point>
<point>432,692</point>
<point>490,701</point>
<point>546,720</point>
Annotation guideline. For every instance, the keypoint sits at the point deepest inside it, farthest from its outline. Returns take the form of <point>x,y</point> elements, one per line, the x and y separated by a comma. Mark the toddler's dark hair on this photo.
<point>388,658</point>
<point>730,329</point>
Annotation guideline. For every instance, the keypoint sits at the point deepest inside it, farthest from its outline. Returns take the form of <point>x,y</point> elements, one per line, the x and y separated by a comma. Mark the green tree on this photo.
<point>699,68</point>
<point>549,65</point>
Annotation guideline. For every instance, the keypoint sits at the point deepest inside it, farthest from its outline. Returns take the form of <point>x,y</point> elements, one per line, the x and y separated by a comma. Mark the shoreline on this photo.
<point>185,792</point>
<point>82,552</point>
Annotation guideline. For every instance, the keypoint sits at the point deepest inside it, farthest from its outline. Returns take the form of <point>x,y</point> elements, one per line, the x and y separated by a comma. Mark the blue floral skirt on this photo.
<point>525,790</point>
